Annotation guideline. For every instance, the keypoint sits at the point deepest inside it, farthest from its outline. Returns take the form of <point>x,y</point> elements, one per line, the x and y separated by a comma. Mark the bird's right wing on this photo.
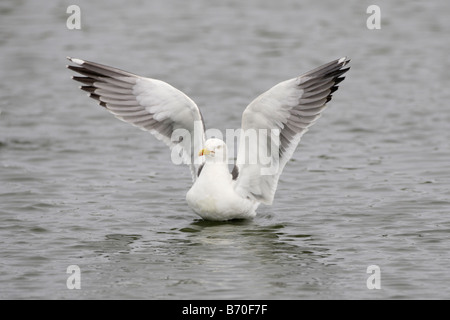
<point>273,124</point>
<point>149,104</point>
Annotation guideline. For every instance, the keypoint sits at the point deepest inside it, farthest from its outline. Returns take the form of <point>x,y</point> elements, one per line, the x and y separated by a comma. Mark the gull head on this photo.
<point>215,150</point>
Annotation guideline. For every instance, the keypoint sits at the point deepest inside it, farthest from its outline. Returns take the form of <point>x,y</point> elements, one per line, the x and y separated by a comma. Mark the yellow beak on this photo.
<point>204,152</point>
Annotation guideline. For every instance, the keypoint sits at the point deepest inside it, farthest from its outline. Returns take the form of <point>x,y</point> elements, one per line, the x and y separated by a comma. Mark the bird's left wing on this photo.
<point>149,104</point>
<point>273,124</point>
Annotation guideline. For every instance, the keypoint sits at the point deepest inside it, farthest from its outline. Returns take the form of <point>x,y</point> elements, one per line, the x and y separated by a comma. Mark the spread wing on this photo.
<point>277,120</point>
<point>149,104</point>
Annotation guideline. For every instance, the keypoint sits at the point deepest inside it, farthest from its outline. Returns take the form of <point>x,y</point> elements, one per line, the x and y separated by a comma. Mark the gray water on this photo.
<point>368,185</point>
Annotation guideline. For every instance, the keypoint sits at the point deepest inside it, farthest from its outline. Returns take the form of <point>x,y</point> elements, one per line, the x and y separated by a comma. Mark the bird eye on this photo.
<point>219,147</point>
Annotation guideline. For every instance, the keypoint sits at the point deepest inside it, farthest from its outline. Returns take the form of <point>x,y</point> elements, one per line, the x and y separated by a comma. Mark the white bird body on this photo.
<point>213,195</point>
<point>218,201</point>
<point>288,109</point>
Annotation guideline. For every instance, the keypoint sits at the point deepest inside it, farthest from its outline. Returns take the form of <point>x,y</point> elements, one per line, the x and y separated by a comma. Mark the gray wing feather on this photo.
<point>149,104</point>
<point>288,109</point>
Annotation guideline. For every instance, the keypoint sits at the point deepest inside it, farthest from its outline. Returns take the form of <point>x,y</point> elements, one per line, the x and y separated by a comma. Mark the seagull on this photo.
<point>283,114</point>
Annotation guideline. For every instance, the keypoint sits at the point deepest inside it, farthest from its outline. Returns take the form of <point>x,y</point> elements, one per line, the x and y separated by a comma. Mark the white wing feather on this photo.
<point>284,112</point>
<point>149,104</point>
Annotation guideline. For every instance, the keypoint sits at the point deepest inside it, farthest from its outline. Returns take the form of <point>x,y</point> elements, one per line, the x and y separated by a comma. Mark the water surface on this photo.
<point>368,185</point>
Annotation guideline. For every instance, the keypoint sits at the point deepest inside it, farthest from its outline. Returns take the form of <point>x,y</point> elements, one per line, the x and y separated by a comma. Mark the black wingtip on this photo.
<point>89,89</point>
<point>84,80</point>
<point>333,89</point>
<point>94,96</point>
<point>338,80</point>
